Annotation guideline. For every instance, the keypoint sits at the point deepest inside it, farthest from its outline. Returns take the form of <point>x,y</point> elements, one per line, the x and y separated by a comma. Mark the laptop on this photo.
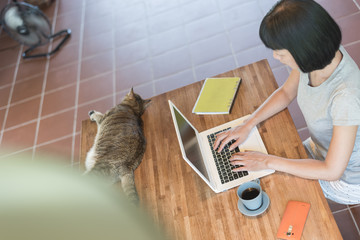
<point>197,150</point>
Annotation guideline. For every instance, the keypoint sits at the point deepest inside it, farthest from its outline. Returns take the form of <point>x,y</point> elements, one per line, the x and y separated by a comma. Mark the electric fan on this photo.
<point>29,26</point>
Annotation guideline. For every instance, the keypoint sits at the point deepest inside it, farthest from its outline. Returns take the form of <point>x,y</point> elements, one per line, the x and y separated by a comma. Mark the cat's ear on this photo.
<point>131,94</point>
<point>147,103</point>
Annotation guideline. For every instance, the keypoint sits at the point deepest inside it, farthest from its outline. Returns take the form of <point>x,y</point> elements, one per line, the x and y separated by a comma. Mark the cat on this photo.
<point>119,143</point>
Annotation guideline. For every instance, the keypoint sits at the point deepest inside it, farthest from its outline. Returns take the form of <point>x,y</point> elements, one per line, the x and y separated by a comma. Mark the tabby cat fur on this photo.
<point>119,143</point>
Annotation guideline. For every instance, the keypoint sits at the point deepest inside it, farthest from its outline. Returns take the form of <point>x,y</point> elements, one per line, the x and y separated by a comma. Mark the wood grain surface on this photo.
<point>186,208</point>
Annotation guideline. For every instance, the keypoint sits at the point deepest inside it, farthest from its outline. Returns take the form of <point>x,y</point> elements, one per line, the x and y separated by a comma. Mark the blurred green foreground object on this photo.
<point>39,201</point>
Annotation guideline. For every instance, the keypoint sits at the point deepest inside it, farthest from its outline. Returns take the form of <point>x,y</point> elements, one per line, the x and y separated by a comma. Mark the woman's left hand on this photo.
<point>250,161</point>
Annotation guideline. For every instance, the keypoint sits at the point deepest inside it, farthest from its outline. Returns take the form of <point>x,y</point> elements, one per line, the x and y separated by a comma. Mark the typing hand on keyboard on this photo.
<point>235,135</point>
<point>222,162</point>
<point>250,160</point>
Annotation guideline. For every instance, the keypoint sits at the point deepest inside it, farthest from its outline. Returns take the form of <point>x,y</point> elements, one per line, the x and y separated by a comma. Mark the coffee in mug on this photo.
<point>250,194</point>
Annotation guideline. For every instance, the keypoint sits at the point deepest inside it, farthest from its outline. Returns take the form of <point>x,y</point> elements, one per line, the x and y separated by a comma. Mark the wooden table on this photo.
<point>184,205</point>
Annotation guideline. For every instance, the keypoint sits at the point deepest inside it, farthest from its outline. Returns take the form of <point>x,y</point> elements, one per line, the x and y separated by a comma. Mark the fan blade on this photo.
<point>12,18</point>
<point>38,23</point>
<point>30,39</point>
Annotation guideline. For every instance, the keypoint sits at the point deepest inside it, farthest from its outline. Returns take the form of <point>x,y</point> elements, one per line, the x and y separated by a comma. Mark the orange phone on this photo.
<point>293,220</point>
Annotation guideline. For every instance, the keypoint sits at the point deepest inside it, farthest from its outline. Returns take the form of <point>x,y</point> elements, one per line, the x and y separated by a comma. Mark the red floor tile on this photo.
<point>70,20</point>
<point>242,37</point>
<point>7,41</point>
<point>97,10</point>
<point>157,7</point>
<point>66,7</point>
<point>96,88</point>
<point>4,96</point>
<point>339,9</point>
<point>59,100</point>
<point>192,10</point>
<point>68,54</point>
<point>125,34</point>
<point>7,75</point>
<point>180,60</point>
<point>133,75</point>
<point>213,68</point>
<point>242,14</point>
<point>133,13</point>
<point>23,112</point>
<point>56,126</point>
<point>159,43</point>
<point>96,65</point>
<point>74,37</point>
<point>131,53</point>
<point>347,25</point>
<point>354,51</point>
<point>61,149</point>
<point>97,44</point>
<point>196,31</point>
<point>174,81</point>
<point>19,138</point>
<point>97,26</point>
<point>60,77</point>
<point>159,23</point>
<point>346,225</point>
<point>334,206</point>
<point>31,67</point>
<point>356,213</point>
<point>9,57</point>
<point>28,88</point>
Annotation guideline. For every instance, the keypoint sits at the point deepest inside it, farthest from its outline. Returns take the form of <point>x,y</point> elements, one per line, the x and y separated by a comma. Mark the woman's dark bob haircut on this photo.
<point>303,28</point>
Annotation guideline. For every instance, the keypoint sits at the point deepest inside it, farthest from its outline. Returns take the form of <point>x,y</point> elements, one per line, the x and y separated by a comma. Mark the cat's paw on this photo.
<point>92,115</point>
<point>95,116</point>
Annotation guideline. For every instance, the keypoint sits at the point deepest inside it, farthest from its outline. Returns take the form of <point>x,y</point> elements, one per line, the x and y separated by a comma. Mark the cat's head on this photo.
<point>136,102</point>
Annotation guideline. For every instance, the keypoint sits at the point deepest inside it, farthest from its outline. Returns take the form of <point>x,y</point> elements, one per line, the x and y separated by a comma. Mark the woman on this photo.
<point>326,82</point>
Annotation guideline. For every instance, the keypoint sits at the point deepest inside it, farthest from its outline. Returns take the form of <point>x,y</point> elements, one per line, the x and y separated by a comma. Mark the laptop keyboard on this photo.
<point>222,160</point>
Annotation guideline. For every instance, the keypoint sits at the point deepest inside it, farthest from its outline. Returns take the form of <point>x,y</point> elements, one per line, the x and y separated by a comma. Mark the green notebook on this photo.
<point>217,95</point>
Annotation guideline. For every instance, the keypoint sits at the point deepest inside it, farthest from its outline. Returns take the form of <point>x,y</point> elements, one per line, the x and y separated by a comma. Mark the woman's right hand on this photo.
<point>239,133</point>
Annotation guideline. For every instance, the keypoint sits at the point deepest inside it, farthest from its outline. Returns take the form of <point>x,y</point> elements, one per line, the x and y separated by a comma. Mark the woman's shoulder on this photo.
<point>349,65</point>
<point>347,76</point>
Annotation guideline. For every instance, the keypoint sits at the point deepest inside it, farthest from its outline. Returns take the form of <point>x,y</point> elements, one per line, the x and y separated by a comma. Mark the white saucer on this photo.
<point>253,213</point>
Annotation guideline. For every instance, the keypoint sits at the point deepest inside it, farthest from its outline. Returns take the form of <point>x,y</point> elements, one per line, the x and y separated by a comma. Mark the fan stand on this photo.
<point>65,33</point>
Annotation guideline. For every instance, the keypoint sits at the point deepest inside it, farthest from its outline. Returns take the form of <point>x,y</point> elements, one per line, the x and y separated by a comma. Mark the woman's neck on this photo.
<point>317,77</point>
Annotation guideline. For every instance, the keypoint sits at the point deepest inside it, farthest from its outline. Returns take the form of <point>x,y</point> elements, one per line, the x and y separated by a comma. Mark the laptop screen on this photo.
<point>190,143</point>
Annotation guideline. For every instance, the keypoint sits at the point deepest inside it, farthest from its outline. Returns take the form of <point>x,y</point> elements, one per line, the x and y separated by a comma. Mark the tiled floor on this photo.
<point>153,45</point>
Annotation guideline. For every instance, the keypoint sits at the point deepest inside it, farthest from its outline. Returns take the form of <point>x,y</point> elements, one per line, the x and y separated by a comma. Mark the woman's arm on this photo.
<point>340,150</point>
<point>278,101</point>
